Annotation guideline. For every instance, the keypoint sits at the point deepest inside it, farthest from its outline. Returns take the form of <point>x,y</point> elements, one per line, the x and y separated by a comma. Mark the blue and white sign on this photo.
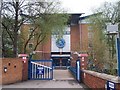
<point>110,85</point>
<point>40,70</point>
<point>66,45</point>
<point>60,43</point>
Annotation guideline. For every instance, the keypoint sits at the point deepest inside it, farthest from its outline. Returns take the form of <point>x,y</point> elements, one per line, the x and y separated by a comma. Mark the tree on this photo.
<point>15,13</point>
<point>11,22</point>
<point>104,45</point>
<point>0,30</point>
<point>45,22</point>
<point>42,30</point>
<point>97,40</point>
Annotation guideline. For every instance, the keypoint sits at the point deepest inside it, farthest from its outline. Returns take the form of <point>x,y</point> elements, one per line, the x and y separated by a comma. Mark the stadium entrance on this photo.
<point>61,61</point>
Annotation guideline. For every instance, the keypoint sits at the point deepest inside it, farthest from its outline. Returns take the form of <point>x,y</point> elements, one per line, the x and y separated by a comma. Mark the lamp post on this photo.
<point>118,52</point>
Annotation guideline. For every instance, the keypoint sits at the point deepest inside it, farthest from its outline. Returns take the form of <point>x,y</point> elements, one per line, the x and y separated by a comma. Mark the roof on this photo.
<point>85,17</point>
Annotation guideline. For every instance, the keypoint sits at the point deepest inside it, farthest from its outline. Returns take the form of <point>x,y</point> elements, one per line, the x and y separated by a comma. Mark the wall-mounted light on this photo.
<point>5,69</point>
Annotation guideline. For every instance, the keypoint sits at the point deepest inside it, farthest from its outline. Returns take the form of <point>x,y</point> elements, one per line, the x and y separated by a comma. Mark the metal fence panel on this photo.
<point>40,70</point>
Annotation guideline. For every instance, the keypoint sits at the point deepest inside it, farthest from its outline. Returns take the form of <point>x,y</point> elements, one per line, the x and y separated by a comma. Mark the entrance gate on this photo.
<point>40,70</point>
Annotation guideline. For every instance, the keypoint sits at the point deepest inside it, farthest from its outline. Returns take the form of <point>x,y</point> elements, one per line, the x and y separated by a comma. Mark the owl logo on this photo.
<point>60,43</point>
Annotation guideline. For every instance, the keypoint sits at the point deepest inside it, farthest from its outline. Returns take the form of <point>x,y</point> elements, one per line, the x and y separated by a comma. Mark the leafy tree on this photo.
<point>45,23</point>
<point>103,45</point>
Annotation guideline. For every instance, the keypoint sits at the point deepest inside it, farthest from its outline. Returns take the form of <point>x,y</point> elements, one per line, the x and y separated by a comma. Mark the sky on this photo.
<point>82,6</point>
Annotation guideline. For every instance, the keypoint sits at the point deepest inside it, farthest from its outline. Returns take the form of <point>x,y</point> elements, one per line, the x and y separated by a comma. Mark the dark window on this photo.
<point>31,45</point>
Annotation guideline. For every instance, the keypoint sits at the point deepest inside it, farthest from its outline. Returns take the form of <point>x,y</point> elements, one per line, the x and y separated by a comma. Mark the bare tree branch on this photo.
<point>9,33</point>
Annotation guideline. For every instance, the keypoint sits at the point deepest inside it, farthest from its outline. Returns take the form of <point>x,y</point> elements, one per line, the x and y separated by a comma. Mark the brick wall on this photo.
<point>75,38</point>
<point>75,43</point>
<point>84,37</point>
<point>46,47</point>
<point>73,60</point>
<point>96,80</point>
<point>16,70</point>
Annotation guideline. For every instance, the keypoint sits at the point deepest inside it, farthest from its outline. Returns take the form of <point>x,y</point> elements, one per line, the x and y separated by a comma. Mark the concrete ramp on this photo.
<point>62,75</point>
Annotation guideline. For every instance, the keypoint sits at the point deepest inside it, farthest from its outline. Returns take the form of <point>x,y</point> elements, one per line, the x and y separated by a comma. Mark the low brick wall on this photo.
<point>15,70</point>
<point>95,80</point>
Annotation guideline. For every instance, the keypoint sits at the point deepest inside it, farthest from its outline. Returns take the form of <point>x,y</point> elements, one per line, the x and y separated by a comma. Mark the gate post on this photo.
<point>25,66</point>
<point>78,75</point>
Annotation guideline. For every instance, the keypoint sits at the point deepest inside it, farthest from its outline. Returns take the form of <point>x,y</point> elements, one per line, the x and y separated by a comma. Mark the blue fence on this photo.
<point>40,70</point>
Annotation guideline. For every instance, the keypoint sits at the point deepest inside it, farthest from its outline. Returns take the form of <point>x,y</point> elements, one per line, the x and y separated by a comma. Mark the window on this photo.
<point>90,34</point>
<point>29,35</point>
<point>67,32</point>
<point>30,45</point>
<point>31,29</point>
<point>90,28</point>
<point>90,45</point>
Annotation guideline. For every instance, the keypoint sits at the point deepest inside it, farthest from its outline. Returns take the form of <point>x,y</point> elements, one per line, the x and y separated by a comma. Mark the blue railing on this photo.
<point>76,70</point>
<point>73,71</point>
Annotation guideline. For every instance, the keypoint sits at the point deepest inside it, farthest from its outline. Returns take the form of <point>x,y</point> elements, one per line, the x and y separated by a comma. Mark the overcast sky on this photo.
<point>83,6</point>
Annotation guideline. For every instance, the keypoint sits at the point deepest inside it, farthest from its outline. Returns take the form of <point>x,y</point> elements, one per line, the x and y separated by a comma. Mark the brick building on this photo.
<point>64,51</point>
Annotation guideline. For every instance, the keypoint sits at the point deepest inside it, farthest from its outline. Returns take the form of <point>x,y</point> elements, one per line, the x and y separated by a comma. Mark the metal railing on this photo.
<point>41,70</point>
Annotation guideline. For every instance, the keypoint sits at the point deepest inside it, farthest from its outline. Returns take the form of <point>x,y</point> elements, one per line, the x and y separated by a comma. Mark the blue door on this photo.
<point>40,70</point>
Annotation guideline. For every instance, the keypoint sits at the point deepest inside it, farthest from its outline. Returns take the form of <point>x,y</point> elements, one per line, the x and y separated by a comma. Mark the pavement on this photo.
<point>62,79</point>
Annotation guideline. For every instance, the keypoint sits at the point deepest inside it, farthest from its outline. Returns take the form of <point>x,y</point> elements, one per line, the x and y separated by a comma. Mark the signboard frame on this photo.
<point>111,85</point>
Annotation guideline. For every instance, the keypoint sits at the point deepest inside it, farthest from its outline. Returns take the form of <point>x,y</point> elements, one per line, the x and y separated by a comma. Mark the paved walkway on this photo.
<point>62,79</point>
<point>62,75</point>
<point>46,84</point>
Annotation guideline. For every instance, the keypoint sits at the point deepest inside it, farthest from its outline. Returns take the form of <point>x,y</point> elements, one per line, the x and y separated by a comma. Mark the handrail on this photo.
<point>41,65</point>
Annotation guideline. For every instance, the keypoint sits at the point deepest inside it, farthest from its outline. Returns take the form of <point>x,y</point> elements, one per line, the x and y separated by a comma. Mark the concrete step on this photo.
<point>60,67</point>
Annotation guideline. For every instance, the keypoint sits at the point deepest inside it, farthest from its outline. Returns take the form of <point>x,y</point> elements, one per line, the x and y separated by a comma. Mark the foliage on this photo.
<point>103,45</point>
<point>44,24</point>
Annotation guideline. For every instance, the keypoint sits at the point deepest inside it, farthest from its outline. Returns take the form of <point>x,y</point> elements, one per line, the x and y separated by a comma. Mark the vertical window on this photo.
<point>90,34</point>
<point>29,35</point>
<point>30,45</point>
<point>90,28</point>
<point>30,31</point>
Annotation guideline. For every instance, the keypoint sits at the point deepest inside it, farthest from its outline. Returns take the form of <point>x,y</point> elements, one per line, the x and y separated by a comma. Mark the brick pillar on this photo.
<point>25,71</point>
